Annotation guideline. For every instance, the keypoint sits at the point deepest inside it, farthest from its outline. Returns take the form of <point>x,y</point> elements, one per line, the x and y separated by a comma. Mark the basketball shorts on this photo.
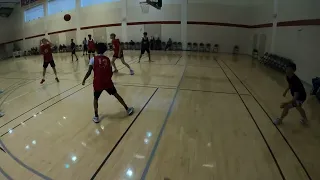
<point>85,48</point>
<point>111,91</point>
<point>73,52</point>
<point>52,64</point>
<point>116,55</point>
<point>91,51</point>
<point>297,103</point>
<point>143,50</point>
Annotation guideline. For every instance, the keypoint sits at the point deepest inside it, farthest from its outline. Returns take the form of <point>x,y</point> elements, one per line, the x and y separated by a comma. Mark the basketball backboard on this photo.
<point>155,3</point>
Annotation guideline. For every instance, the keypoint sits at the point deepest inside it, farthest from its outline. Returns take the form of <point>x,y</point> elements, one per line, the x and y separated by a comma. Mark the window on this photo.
<point>92,2</point>
<point>33,13</point>
<point>56,6</point>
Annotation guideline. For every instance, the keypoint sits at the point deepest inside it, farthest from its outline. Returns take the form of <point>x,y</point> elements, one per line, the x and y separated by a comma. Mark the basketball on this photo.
<point>67,17</point>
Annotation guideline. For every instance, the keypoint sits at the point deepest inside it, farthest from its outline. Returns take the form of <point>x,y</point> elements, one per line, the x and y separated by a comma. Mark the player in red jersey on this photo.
<point>118,53</point>
<point>45,49</point>
<point>102,81</point>
<point>91,46</point>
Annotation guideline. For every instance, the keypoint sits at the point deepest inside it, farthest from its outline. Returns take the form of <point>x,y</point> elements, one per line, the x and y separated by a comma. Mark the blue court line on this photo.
<point>6,175</point>
<point>155,147</point>
<point>23,164</point>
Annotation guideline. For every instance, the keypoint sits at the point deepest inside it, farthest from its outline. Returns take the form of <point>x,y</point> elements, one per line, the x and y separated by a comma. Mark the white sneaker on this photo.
<point>1,114</point>
<point>277,121</point>
<point>130,111</point>
<point>96,119</point>
<point>304,121</point>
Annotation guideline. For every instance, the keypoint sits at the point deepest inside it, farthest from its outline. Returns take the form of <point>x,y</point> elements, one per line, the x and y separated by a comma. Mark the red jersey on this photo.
<point>116,46</point>
<point>45,49</point>
<point>91,44</point>
<point>102,72</point>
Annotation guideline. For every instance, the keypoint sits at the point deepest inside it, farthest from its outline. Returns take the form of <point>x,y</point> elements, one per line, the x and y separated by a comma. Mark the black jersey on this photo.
<point>296,85</point>
<point>145,43</point>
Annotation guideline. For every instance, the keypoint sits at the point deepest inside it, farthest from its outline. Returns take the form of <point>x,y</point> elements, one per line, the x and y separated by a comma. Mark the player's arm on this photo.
<point>120,49</point>
<point>87,75</point>
<point>286,90</point>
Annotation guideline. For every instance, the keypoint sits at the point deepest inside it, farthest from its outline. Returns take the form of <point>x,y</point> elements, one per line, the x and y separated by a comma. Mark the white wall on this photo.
<point>300,43</point>
<point>224,12</point>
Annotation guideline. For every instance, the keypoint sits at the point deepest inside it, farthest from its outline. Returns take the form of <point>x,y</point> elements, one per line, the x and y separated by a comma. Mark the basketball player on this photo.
<point>102,81</point>
<point>85,46</point>
<point>91,45</point>
<point>299,95</point>
<point>73,50</point>
<point>45,49</point>
<point>145,46</point>
<point>118,54</point>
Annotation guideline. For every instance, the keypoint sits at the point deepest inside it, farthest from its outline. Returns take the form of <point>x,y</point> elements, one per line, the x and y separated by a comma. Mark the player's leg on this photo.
<point>126,64</point>
<point>75,55</point>
<point>95,106</point>
<point>113,91</point>
<point>114,64</point>
<point>45,65</point>
<point>53,65</point>
<point>72,56</point>
<point>149,54</point>
<point>285,111</point>
<point>302,112</point>
<point>141,53</point>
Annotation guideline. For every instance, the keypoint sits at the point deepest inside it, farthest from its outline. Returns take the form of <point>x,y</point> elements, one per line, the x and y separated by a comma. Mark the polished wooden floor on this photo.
<point>197,116</point>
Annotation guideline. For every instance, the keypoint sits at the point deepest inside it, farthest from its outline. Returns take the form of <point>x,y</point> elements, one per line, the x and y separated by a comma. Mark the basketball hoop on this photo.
<point>144,7</point>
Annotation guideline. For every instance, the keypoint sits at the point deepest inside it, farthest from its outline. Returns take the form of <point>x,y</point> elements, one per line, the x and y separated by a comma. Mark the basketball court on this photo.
<point>197,115</point>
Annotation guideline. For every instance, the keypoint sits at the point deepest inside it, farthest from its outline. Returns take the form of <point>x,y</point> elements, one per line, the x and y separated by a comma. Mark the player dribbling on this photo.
<point>102,81</point>
<point>118,54</point>
<point>46,51</point>
<point>145,46</point>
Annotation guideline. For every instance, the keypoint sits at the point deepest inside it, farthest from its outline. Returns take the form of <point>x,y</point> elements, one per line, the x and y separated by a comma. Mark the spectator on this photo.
<point>152,41</point>
<point>60,48</point>
<point>132,44</point>
<point>169,44</point>
<point>158,44</point>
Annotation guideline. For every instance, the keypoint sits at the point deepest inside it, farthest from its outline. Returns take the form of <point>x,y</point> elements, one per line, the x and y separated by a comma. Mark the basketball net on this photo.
<point>144,7</point>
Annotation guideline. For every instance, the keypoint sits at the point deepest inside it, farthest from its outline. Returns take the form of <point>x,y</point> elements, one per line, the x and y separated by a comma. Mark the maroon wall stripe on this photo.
<point>305,22</point>
<point>35,36</point>
<point>67,30</point>
<point>219,24</point>
<point>153,22</point>
<point>100,26</point>
<point>262,25</point>
<point>11,41</point>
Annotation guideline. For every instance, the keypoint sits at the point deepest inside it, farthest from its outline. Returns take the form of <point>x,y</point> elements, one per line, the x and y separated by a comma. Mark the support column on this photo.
<point>78,14</point>
<point>274,25</point>
<point>184,24</point>
<point>124,6</point>
<point>45,8</point>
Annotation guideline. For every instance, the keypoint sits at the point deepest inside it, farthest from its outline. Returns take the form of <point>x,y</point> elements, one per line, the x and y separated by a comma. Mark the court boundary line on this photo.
<point>284,138</point>
<point>156,144</point>
<point>45,102</point>
<point>178,60</point>
<point>123,135</point>
<point>253,119</point>
<point>23,164</point>
<point>214,92</point>
<point>6,175</point>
